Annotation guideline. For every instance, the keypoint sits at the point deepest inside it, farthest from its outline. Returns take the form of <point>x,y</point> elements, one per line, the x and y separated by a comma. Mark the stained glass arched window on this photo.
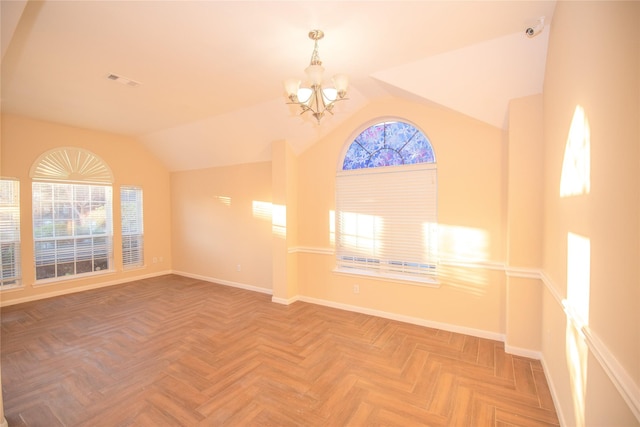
<point>388,144</point>
<point>386,216</point>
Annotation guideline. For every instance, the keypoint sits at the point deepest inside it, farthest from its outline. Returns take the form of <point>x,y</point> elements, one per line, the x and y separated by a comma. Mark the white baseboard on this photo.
<point>554,394</point>
<point>224,282</point>
<point>285,301</point>
<point>523,352</point>
<point>59,292</point>
<point>407,319</point>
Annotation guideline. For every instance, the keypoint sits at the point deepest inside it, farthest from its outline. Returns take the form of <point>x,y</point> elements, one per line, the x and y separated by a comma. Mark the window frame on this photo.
<point>81,236</point>
<point>88,249</point>
<point>12,210</point>
<point>130,261</point>
<point>417,260</point>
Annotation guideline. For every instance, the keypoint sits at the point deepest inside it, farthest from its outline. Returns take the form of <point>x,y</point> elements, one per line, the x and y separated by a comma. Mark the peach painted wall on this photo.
<point>471,202</point>
<point>24,140</point>
<point>525,182</point>
<point>591,230</point>
<point>524,224</point>
<point>221,224</point>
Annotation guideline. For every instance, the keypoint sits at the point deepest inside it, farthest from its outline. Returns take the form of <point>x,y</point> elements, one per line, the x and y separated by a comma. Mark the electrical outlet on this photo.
<point>356,289</point>
<point>238,267</point>
<point>155,259</point>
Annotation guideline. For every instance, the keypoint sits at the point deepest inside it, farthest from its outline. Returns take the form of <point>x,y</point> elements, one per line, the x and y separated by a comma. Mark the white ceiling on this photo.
<point>211,71</point>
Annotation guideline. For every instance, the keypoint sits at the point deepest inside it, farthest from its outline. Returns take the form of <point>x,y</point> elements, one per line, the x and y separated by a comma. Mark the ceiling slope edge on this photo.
<point>477,80</point>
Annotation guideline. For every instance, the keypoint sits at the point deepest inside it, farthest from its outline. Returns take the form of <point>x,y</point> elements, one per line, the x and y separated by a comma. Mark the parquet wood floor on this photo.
<point>174,351</point>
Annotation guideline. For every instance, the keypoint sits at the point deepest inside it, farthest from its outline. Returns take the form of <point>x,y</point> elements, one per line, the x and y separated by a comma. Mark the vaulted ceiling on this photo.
<point>211,72</point>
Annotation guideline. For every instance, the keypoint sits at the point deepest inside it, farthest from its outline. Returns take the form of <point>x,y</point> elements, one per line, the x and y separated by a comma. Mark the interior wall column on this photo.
<point>284,178</point>
<point>523,329</point>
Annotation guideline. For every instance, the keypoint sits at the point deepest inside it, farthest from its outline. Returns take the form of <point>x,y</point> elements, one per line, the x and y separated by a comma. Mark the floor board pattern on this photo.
<point>175,351</point>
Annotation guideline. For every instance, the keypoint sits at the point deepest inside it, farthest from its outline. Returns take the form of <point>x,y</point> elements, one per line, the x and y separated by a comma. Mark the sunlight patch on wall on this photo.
<point>279,220</point>
<point>576,166</point>
<point>577,352</point>
<point>471,280</point>
<point>225,200</point>
<point>462,252</point>
<point>332,227</point>
<point>276,214</point>
<point>462,244</point>
<point>262,210</point>
<point>578,277</point>
<point>361,232</point>
<point>577,308</point>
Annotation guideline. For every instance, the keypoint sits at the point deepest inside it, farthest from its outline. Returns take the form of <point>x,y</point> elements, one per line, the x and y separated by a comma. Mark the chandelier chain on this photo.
<point>315,57</point>
<point>315,35</point>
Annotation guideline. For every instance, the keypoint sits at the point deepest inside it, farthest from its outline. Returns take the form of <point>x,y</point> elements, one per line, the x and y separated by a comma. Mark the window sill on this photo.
<point>56,280</point>
<point>429,282</point>
<point>15,287</point>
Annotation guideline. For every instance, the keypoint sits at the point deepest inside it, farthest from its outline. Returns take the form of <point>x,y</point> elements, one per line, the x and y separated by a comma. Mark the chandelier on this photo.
<point>315,98</point>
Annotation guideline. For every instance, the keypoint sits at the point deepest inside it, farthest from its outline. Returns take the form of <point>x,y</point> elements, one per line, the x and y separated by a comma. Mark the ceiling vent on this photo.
<point>123,80</point>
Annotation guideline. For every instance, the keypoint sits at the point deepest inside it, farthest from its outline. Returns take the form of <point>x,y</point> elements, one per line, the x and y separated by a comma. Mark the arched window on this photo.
<point>72,213</point>
<point>386,204</point>
<point>388,144</point>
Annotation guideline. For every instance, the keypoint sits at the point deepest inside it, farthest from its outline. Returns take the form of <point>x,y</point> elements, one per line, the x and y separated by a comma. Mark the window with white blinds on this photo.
<point>386,221</point>
<point>10,233</point>
<point>132,227</point>
<point>386,204</point>
<point>72,229</point>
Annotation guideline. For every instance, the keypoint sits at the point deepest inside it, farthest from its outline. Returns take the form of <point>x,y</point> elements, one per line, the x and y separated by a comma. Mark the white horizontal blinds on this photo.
<point>132,227</point>
<point>386,219</point>
<point>71,229</point>
<point>9,232</point>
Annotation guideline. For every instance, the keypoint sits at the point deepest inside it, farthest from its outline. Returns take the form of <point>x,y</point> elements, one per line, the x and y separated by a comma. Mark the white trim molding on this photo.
<point>406,319</point>
<point>554,393</point>
<point>311,250</point>
<point>285,301</point>
<point>523,272</point>
<point>59,292</point>
<point>615,371</point>
<point>617,374</point>
<point>551,287</point>
<point>524,352</point>
<point>449,262</point>
<point>488,265</point>
<point>225,282</point>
